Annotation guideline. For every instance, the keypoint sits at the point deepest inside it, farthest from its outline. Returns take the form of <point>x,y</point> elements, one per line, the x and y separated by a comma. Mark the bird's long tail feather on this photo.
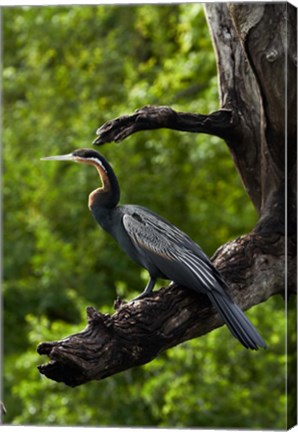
<point>238,324</point>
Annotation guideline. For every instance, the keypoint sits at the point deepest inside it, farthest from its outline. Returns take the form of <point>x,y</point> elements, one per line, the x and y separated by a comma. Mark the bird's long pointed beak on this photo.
<point>67,157</point>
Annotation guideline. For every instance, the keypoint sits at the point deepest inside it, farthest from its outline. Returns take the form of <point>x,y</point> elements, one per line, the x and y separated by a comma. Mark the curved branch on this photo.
<point>156,117</point>
<point>139,330</point>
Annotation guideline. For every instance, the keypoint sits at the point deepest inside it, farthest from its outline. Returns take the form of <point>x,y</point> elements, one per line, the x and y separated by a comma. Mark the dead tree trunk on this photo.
<point>255,46</point>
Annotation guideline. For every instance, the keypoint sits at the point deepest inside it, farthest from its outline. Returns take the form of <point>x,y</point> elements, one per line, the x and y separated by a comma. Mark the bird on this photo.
<point>160,247</point>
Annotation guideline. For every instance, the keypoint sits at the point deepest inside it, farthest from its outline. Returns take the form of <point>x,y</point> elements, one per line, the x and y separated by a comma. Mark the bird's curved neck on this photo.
<point>108,195</point>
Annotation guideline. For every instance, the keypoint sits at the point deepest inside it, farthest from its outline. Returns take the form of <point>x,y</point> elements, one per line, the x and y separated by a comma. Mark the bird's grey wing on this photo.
<point>162,225</point>
<point>173,234</point>
<point>145,237</point>
<point>175,260</point>
<point>180,238</point>
<point>184,265</point>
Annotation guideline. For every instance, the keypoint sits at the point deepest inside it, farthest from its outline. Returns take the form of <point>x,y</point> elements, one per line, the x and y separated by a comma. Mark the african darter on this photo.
<point>160,247</point>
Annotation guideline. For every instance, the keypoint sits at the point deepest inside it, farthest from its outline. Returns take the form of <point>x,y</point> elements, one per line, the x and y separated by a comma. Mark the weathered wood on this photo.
<point>255,45</point>
<point>149,117</point>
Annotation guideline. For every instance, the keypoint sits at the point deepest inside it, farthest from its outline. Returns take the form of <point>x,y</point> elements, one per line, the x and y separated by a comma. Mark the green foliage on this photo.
<point>66,70</point>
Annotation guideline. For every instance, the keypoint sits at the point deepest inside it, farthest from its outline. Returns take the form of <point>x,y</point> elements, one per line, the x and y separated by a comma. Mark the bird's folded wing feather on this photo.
<point>144,236</point>
<point>164,241</point>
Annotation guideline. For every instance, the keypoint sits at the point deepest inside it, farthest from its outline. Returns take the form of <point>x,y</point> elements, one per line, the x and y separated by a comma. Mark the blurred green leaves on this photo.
<point>66,70</point>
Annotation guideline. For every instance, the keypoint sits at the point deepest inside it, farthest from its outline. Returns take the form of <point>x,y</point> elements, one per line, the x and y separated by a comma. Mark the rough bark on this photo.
<point>156,117</point>
<point>255,46</point>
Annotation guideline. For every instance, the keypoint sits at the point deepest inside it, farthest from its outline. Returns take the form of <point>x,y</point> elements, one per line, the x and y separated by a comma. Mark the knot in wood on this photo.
<point>272,55</point>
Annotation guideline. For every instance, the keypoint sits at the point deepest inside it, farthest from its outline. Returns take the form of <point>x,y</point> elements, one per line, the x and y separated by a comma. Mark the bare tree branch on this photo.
<point>157,117</point>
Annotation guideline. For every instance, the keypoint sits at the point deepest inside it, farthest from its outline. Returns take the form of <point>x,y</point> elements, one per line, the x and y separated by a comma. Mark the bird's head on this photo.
<point>91,157</point>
